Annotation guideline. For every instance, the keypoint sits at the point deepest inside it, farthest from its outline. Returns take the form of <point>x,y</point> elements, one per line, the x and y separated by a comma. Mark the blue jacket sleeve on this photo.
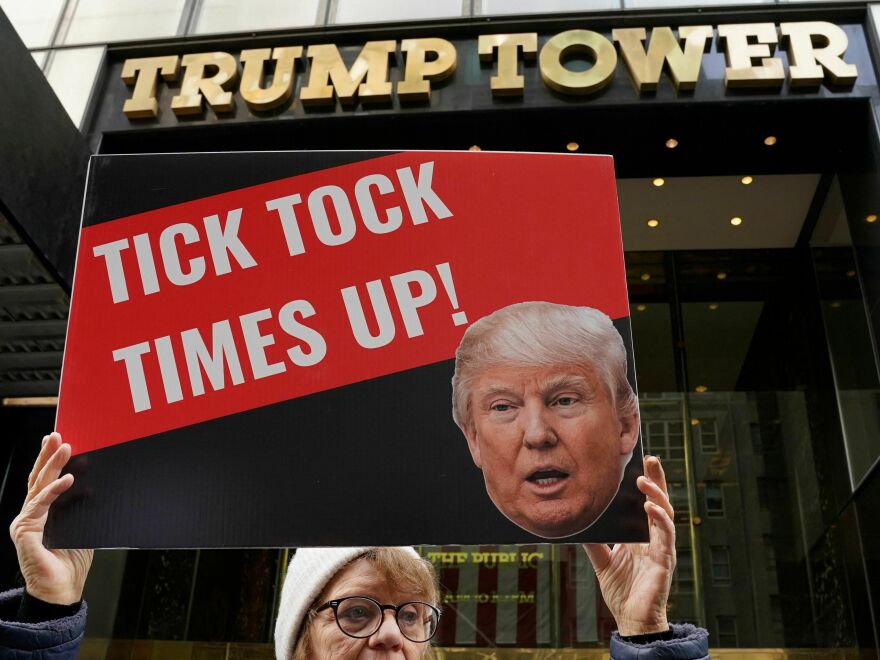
<point>688,643</point>
<point>50,640</point>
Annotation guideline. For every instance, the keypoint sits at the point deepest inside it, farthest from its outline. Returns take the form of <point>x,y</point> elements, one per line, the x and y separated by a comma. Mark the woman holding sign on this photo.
<point>342,603</point>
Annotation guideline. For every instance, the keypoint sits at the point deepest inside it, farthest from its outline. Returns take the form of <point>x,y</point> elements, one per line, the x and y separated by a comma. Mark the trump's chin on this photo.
<point>553,519</point>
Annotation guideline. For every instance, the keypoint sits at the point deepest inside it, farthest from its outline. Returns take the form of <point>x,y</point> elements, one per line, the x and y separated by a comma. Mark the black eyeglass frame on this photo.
<point>334,605</point>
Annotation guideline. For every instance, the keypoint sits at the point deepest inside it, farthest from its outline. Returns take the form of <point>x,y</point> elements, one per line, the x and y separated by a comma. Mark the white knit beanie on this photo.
<point>309,572</point>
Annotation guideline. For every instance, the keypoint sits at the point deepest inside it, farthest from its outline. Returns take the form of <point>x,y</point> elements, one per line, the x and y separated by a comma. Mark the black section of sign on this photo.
<point>294,474</point>
<point>166,180</point>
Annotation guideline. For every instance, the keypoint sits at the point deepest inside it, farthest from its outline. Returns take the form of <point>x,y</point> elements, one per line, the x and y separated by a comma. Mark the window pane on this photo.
<point>35,21</point>
<point>365,11</point>
<point>726,631</point>
<point>770,556</point>
<point>121,20</point>
<point>229,16</point>
<point>652,338</point>
<point>707,431</point>
<point>490,7</point>
<point>714,500</point>
<point>720,565</point>
<point>849,334</point>
<point>780,460</point>
<point>72,75</point>
<point>678,497</point>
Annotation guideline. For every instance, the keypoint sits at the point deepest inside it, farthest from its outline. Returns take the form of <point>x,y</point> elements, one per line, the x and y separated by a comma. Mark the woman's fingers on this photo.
<point>662,531</point>
<point>655,494</point>
<point>51,469</point>
<point>49,494</point>
<point>654,471</point>
<point>50,444</point>
<point>27,528</point>
<point>599,554</point>
<point>38,507</point>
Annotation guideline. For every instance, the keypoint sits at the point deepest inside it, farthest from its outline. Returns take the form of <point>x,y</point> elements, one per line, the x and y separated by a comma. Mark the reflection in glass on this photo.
<point>225,16</point>
<point>652,342</point>
<point>661,407</point>
<point>507,595</point>
<point>71,74</point>
<point>35,22</point>
<point>726,627</point>
<point>766,466</point>
<point>717,352</point>
<point>849,339</point>
<point>364,11</point>
<point>97,21</point>
<point>720,564</point>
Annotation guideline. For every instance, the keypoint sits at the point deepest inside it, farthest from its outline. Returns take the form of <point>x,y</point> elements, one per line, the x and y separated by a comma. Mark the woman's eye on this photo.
<point>355,613</point>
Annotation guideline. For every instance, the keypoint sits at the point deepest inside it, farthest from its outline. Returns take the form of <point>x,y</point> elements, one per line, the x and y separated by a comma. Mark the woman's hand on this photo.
<point>635,578</point>
<point>53,576</point>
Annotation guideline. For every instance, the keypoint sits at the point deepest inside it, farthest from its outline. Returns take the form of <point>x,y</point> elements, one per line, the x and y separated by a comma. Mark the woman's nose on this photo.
<point>388,636</point>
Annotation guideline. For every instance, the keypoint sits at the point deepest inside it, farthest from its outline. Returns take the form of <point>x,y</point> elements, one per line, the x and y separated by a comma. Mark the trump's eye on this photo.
<point>564,401</point>
<point>500,407</point>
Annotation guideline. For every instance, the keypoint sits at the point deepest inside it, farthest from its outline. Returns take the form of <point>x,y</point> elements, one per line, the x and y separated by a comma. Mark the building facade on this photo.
<point>746,145</point>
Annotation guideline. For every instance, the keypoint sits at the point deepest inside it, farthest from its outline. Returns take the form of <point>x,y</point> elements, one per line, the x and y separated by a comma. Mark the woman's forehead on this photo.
<point>363,578</point>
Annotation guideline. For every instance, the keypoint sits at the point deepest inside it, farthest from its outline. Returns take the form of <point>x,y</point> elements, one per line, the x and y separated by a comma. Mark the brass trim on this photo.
<point>30,401</point>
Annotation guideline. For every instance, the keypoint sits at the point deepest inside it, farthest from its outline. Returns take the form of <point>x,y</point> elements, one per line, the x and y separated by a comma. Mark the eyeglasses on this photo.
<point>361,616</point>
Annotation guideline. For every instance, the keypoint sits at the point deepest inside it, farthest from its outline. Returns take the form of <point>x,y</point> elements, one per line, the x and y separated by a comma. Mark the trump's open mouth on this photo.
<point>547,477</point>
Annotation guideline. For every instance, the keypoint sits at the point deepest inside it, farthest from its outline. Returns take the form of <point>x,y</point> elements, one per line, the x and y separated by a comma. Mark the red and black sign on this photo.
<point>260,345</point>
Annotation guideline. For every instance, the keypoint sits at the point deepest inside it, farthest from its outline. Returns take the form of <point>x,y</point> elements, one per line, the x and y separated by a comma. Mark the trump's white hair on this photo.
<point>542,334</point>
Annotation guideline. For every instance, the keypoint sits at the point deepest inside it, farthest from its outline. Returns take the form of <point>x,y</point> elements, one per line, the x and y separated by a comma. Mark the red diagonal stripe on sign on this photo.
<point>522,227</point>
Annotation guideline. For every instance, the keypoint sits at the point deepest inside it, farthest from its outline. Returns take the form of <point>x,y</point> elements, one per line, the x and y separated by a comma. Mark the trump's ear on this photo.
<point>470,432</point>
<point>629,433</point>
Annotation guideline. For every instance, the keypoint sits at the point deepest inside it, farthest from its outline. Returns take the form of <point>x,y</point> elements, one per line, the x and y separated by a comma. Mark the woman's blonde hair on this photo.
<point>401,570</point>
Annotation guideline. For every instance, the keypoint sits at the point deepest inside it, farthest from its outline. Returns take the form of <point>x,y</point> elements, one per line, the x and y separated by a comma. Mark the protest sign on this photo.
<point>260,349</point>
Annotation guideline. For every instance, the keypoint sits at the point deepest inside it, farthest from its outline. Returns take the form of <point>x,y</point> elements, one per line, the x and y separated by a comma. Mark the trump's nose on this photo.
<point>537,431</point>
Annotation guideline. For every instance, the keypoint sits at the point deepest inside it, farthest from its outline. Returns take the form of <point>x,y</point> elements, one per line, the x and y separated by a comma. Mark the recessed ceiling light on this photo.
<point>746,180</point>
<point>645,277</point>
<point>835,304</point>
<point>658,181</point>
<point>572,146</point>
<point>871,218</point>
<point>713,306</point>
<point>671,143</point>
<point>474,147</point>
<point>736,221</point>
<point>701,389</point>
<point>641,308</point>
<point>653,223</point>
<point>850,273</point>
<point>770,140</point>
<point>722,275</point>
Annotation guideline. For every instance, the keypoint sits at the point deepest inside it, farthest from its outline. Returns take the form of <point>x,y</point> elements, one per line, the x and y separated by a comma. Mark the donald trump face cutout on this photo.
<point>541,395</point>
